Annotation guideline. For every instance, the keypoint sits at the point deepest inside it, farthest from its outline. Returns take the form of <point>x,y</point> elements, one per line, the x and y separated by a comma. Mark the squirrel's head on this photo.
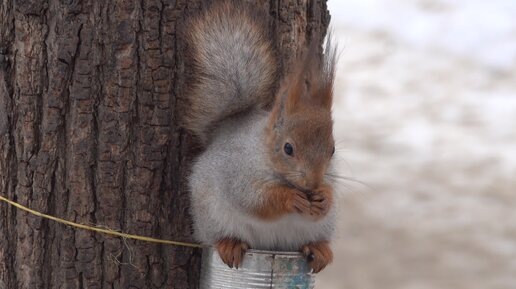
<point>299,134</point>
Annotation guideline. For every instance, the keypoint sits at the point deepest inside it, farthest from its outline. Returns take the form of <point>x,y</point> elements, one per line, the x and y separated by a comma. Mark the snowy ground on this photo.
<point>426,117</point>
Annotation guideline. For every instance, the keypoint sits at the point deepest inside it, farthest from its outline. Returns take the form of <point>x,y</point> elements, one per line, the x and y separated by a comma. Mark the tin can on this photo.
<point>259,269</point>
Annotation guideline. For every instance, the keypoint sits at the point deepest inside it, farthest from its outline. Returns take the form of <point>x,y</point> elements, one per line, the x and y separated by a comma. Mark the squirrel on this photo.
<point>263,178</point>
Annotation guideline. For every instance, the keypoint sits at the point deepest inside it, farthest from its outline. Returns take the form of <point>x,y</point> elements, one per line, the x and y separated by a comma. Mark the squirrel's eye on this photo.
<point>333,151</point>
<point>289,150</point>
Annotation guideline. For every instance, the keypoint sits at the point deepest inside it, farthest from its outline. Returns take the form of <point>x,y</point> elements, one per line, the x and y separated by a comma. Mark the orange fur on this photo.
<point>301,116</point>
<point>309,130</point>
<point>281,200</point>
<point>321,201</point>
<point>231,251</point>
<point>319,255</point>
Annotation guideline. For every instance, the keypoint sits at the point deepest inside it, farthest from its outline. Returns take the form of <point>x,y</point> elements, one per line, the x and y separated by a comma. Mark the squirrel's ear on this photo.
<point>289,94</point>
<point>292,97</point>
<point>323,96</point>
<point>286,103</point>
<point>311,80</point>
<point>296,84</point>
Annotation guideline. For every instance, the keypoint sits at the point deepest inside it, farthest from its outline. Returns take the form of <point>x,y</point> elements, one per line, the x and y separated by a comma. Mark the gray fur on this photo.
<point>234,66</point>
<point>224,183</point>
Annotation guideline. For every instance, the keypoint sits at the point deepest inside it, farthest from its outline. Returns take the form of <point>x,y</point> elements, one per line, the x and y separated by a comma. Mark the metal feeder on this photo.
<point>259,269</point>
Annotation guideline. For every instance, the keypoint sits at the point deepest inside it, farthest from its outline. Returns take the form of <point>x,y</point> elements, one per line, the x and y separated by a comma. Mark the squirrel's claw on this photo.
<point>318,255</point>
<point>231,251</point>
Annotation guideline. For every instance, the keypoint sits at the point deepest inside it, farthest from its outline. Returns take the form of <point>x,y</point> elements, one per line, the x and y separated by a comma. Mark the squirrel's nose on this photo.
<point>313,179</point>
<point>311,183</point>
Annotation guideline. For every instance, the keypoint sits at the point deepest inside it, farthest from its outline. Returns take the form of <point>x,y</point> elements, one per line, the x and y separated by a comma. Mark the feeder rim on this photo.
<point>267,252</point>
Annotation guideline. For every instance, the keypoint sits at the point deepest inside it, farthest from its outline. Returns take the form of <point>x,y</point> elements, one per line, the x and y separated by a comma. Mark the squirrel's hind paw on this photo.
<point>318,255</point>
<point>231,251</point>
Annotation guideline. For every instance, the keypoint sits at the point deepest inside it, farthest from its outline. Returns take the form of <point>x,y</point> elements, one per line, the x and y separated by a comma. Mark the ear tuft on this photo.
<point>310,81</point>
<point>328,67</point>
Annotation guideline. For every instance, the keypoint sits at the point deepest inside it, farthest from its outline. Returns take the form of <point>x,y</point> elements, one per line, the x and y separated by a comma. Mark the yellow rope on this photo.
<point>100,230</point>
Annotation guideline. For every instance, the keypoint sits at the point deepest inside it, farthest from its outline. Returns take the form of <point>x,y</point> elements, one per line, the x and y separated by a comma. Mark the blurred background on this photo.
<point>425,116</point>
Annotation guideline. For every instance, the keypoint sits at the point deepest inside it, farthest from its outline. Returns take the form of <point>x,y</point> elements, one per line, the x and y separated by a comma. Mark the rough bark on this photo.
<point>88,93</point>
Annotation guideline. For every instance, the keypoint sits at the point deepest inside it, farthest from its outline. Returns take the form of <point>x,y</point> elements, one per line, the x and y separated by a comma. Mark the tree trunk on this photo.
<point>88,133</point>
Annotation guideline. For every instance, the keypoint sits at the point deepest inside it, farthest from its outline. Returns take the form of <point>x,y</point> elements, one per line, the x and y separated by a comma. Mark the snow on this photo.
<point>425,115</point>
<point>483,30</point>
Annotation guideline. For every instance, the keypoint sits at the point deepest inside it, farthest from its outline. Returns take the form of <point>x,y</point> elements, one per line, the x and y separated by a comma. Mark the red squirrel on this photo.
<point>263,179</point>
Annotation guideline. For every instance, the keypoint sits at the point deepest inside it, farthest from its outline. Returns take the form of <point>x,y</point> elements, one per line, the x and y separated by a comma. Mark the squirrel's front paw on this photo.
<point>320,201</point>
<point>231,251</point>
<point>318,255</point>
<point>315,205</point>
<point>299,203</point>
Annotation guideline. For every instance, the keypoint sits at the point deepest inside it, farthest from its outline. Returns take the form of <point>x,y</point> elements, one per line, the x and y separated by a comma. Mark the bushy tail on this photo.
<point>233,65</point>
